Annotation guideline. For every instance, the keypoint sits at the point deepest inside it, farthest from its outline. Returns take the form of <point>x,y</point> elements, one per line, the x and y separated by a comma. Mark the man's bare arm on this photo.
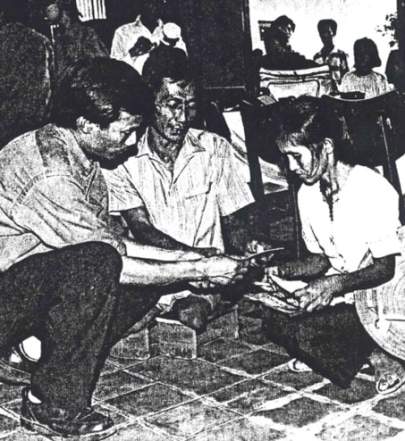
<point>309,267</point>
<point>145,233</point>
<point>218,269</point>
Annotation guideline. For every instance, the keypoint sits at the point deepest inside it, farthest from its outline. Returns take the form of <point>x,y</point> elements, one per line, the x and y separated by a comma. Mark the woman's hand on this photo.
<point>318,294</point>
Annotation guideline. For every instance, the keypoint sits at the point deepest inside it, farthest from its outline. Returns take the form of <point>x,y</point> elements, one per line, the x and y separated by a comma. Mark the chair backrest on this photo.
<point>315,81</point>
<point>259,144</point>
<point>377,131</point>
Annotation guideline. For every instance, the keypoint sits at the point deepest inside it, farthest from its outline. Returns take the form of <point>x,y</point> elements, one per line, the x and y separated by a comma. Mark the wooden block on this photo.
<point>177,340</point>
<point>134,346</point>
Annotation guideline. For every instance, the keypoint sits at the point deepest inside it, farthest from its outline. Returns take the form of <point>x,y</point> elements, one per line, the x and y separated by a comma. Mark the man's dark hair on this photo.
<point>327,23</point>
<point>166,62</point>
<point>69,6</point>
<point>98,89</point>
<point>283,21</point>
<point>366,46</point>
<point>308,121</point>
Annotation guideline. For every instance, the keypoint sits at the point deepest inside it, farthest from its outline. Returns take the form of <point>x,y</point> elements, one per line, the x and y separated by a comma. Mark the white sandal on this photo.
<point>295,365</point>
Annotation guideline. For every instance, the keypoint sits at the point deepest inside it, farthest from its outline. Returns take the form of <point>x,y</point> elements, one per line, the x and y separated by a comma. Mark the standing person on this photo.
<point>182,187</point>
<point>149,25</point>
<point>71,39</point>
<point>335,58</point>
<point>26,75</point>
<point>279,54</point>
<point>67,275</point>
<point>363,78</point>
<point>349,215</point>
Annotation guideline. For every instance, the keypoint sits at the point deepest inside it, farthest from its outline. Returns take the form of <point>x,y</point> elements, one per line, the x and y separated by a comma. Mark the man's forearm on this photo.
<point>147,272</point>
<point>310,267</point>
<point>150,252</point>
<point>149,235</point>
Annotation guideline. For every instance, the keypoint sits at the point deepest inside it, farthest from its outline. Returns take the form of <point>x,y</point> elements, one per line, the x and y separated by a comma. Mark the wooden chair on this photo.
<point>259,144</point>
<point>315,81</point>
<point>377,131</point>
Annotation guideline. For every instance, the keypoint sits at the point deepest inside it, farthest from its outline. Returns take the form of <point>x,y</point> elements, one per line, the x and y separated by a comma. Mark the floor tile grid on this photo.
<point>274,403</point>
<point>346,410</point>
<point>206,399</point>
<point>192,396</point>
<point>11,410</point>
<point>238,418</point>
<point>389,421</point>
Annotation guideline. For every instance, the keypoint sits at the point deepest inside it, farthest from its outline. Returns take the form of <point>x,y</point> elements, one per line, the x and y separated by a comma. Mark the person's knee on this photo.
<point>105,257</point>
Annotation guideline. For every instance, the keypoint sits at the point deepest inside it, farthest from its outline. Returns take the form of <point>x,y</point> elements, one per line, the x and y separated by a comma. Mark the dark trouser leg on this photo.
<point>68,296</point>
<point>332,341</point>
<point>133,303</point>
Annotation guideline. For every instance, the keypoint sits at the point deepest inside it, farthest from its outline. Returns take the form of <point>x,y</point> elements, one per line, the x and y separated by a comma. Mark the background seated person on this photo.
<point>182,185</point>
<point>279,54</point>
<point>348,213</point>
<point>363,78</point>
<point>335,58</point>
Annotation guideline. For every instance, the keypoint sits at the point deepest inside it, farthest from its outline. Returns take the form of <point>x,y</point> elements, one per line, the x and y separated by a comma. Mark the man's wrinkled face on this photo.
<point>175,109</point>
<point>304,162</point>
<point>117,138</point>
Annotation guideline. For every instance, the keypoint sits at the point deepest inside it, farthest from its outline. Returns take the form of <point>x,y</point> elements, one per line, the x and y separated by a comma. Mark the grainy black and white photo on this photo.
<point>202,220</point>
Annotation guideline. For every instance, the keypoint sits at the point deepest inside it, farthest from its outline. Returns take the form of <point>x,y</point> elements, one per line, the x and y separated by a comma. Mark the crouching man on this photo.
<point>182,187</point>
<point>67,276</point>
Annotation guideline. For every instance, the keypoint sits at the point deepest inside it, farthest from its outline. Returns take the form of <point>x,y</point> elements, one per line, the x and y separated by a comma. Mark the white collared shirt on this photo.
<point>364,222</point>
<point>188,202</point>
<point>127,35</point>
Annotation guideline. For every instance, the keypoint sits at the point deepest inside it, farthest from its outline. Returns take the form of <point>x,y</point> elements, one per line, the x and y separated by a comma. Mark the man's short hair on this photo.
<point>283,21</point>
<point>98,89</point>
<point>166,62</point>
<point>327,23</point>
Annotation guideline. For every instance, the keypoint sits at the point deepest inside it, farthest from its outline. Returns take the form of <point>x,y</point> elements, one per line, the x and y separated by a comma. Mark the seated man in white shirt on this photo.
<point>181,187</point>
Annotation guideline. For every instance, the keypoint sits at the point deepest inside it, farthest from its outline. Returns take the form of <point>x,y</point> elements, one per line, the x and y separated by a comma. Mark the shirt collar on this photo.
<point>192,144</point>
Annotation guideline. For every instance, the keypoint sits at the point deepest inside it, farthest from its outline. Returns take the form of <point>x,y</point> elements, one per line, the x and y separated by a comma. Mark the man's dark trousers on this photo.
<point>71,299</point>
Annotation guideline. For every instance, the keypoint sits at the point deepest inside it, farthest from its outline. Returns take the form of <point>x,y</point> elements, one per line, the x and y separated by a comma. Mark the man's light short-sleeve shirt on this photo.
<point>186,204</point>
<point>51,196</point>
<point>364,222</point>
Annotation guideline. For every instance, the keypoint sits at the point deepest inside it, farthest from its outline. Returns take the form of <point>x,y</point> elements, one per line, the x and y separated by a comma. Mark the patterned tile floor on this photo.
<point>237,390</point>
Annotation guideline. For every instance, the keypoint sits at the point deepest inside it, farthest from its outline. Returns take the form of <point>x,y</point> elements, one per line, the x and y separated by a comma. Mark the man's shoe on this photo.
<point>15,369</point>
<point>87,425</point>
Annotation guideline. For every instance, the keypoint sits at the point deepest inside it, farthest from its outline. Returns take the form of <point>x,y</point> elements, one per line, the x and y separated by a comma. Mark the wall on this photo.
<point>355,18</point>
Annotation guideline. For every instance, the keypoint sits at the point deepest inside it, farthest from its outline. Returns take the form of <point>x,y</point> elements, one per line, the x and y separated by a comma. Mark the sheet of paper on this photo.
<point>288,285</point>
